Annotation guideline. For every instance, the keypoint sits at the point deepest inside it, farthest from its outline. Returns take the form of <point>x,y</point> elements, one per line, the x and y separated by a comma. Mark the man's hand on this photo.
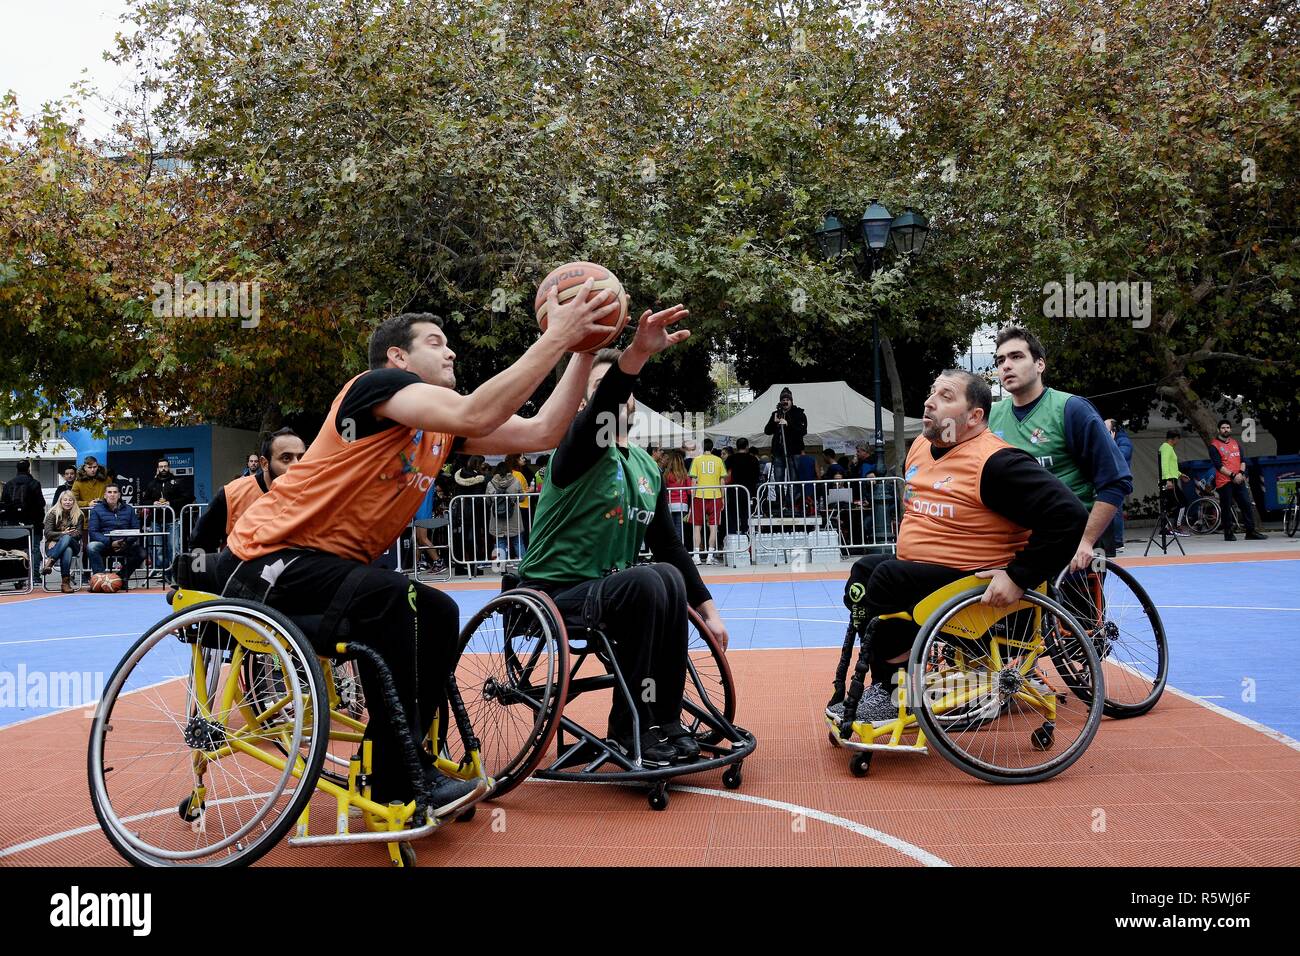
<point>713,621</point>
<point>117,545</point>
<point>1083,555</point>
<point>1002,590</point>
<point>652,334</point>
<point>581,316</point>
<point>1239,477</point>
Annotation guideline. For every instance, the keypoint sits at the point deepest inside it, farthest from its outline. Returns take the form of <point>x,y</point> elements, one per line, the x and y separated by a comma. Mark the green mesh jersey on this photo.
<point>1042,434</point>
<point>595,524</point>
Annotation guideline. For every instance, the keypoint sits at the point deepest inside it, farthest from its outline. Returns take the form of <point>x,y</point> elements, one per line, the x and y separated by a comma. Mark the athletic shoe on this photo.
<point>876,706</point>
<point>1119,549</point>
<point>696,558</point>
<point>1256,536</point>
<point>1229,537</point>
<point>448,794</point>
<point>654,751</point>
<point>685,746</point>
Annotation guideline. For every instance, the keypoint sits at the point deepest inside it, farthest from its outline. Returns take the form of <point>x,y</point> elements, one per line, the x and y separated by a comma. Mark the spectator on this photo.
<point>787,426</point>
<point>165,491</point>
<point>743,470</point>
<point>832,470</point>
<point>539,476</point>
<point>1230,483</point>
<point>863,465</point>
<point>806,471</point>
<point>252,467</point>
<point>64,529</point>
<point>108,515</point>
<point>471,531</point>
<point>90,483</point>
<point>516,465</point>
<point>1173,497</point>
<point>504,521</point>
<point>69,474</point>
<point>23,502</point>
<point>677,481</point>
<point>689,448</point>
<point>1126,449</point>
<point>707,470</point>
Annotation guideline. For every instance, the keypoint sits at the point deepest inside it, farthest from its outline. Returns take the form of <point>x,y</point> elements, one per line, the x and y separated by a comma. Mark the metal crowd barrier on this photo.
<point>10,535</point>
<point>159,535</point>
<point>730,525</point>
<point>825,520</point>
<point>187,522</point>
<point>477,540</point>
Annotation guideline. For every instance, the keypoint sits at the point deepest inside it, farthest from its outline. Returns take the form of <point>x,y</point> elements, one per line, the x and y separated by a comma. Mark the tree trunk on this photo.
<point>272,418</point>
<point>896,400</point>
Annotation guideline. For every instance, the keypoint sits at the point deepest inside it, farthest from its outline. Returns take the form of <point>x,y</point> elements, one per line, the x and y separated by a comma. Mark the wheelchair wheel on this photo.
<point>709,690</point>
<point>987,693</point>
<point>175,724</point>
<point>513,675</point>
<point>1126,630</point>
<point>1203,516</point>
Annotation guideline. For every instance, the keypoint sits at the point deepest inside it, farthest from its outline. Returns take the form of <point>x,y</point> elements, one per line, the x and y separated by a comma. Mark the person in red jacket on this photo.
<point>1230,482</point>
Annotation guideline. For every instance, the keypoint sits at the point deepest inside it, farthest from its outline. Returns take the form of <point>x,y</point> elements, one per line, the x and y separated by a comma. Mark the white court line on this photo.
<point>924,857</point>
<point>1264,729</point>
<point>54,640</point>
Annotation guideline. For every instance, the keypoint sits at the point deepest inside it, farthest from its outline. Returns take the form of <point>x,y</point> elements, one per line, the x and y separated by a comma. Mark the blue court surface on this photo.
<point>1232,628</point>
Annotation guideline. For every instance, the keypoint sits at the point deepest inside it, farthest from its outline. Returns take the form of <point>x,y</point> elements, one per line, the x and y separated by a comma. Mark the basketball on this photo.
<point>567,280</point>
<point>105,582</point>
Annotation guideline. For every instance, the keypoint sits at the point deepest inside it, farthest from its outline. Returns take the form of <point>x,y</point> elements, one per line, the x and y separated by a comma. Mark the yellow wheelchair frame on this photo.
<point>386,823</point>
<point>890,735</point>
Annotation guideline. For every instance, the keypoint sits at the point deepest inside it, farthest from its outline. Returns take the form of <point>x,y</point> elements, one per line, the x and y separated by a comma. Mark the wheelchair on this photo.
<point>226,707</point>
<point>1122,621</point>
<point>520,691</point>
<point>1008,695</point>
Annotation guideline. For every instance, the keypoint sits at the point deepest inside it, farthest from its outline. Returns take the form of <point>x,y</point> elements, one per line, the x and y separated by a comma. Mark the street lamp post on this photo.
<point>876,230</point>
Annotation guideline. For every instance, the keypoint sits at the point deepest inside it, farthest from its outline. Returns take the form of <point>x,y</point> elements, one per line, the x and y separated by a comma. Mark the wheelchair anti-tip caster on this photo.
<point>188,814</point>
<point>733,776</point>
<point>1043,737</point>
<point>860,765</point>
<point>401,854</point>
<point>659,798</point>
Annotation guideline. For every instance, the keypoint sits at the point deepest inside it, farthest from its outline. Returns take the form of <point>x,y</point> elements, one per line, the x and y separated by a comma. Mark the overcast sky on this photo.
<point>46,44</point>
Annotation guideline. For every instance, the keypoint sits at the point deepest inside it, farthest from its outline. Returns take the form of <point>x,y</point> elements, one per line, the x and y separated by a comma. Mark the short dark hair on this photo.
<point>1173,433</point>
<point>829,453</point>
<point>269,440</point>
<point>978,393</point>
<point>24,467</point>
<point>708,445</point>
<point>1224,421</point>
<point>113,484</point>
<point>742,444</point>
<point>396,331</point>
<point>607,357</point>
<point>1019,332</point>
<point>164,459</point>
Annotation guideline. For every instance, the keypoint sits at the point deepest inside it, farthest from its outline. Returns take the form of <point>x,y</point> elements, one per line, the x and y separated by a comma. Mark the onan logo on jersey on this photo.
<point>933,508</point>
<point>943,484</point>
<point>1037,436</point>
<point>643,483</point>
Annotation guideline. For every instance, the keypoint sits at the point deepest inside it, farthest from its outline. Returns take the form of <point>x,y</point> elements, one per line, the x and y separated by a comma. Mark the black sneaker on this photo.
<point>448,794</point>
<point>654,751</point>
<point>684,744</point>
<point>1256,536</point>
<point>1229,537</point>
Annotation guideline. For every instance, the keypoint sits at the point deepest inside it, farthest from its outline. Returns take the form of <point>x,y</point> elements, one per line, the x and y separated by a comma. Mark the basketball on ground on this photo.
<point>567,280</point>
<point>105,582</point>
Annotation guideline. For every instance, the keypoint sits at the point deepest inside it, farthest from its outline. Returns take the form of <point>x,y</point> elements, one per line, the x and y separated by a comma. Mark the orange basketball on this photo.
<point>567,280</point>
<point>105,582</point>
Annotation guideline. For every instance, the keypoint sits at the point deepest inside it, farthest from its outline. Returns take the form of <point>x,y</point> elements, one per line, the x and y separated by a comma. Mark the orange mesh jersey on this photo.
<point>240,493</point>
<point>946,521</point>
<point>351,499</point>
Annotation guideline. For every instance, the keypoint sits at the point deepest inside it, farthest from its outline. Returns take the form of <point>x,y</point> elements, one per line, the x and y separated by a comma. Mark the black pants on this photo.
<point>642,610</point>
<point>1238,491</point>
<point>414,628</point>
<point>882,584</point>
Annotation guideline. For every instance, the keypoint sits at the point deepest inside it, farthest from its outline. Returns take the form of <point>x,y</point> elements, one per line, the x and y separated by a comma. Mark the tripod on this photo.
<point>1165,529</point>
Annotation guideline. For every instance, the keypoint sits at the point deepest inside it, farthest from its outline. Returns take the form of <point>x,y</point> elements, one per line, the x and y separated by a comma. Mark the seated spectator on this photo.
<point>863,465</point>
<point>108,515</point>
<point>832,470</point>
<point>504,523</point>
<point>64,529</point>
<point>90,483</point>
<point>69,475</point>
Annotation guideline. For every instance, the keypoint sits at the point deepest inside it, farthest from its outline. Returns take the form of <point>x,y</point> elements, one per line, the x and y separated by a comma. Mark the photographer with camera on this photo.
<point>787,426</point>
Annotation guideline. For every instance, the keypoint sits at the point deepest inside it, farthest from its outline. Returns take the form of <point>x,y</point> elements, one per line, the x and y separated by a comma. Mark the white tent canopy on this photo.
<point>837,416</point>
<point>648,427</point>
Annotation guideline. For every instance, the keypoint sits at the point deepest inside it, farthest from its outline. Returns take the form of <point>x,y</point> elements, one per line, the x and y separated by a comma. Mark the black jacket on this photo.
<point>169,489</point>
<point>23,501</point>
<point>787,440</point>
